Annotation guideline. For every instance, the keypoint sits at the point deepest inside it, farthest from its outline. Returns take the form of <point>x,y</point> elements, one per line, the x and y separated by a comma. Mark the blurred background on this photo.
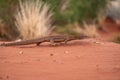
<point>68,17</point>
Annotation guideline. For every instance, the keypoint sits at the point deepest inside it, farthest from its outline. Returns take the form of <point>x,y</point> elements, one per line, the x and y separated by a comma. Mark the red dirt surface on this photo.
<point>89,59</point>
<point>79,60</point>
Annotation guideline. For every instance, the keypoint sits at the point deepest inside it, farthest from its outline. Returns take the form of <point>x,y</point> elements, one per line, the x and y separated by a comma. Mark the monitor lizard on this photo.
<point>52,39</point>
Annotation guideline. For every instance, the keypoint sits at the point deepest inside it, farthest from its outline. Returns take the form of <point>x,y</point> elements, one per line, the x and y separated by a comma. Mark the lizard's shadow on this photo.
<point>71,43</point>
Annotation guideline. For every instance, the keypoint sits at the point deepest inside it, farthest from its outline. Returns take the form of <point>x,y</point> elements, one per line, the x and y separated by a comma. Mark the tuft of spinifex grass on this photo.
<point>33,19</point>
<point>116,39</point>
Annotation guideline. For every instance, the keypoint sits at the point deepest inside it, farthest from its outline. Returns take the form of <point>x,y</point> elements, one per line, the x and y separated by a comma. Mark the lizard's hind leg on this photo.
<point>66,40</point>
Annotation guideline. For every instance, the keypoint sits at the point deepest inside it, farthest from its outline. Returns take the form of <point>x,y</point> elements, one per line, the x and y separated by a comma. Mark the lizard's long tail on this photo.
<point>26,42</point>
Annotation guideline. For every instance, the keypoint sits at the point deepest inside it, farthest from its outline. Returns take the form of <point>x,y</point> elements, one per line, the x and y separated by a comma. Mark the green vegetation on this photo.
<point>7,10</point>
<point>77,10</point>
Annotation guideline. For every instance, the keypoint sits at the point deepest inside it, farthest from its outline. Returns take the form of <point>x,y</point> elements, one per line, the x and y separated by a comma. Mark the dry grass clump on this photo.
<point>88,29</point>
<point>116,39</point>
<point>33,19</point>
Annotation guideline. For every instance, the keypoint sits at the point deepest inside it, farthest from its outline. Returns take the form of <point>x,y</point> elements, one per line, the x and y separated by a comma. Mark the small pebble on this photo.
<point>38,60</point>
<point>21,52</point>
<point>66,52</point>
<point>54,61</point>
<point>6,61</point>
<point>97,67</point>
<point>7,77</point>
<point>51,54</point>
<point>1,77</point>
<point>97,42</point>
<point>78,57</point>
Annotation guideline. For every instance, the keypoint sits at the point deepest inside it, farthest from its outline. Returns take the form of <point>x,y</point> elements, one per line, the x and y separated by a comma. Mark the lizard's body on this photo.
<point>51,39</point>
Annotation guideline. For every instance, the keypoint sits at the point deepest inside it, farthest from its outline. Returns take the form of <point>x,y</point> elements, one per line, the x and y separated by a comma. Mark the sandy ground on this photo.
<point>79,60</point>
<point>88,59</point>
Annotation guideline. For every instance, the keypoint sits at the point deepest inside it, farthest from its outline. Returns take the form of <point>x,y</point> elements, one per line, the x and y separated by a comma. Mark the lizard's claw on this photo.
<point>53,44</point>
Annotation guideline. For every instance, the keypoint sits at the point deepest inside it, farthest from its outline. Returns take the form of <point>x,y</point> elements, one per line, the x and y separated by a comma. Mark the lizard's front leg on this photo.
<point>52,42</point>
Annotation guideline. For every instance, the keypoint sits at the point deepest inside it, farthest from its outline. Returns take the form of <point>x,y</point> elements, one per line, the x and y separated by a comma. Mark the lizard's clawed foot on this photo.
<point>54,44</point>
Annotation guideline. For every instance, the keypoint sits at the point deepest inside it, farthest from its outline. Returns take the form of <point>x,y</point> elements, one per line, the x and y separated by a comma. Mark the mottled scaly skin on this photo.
<point>52,39</point>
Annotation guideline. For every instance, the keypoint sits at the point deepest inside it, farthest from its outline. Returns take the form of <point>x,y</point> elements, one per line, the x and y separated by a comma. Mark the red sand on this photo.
<point>87,59</point>
<point>79,60</point>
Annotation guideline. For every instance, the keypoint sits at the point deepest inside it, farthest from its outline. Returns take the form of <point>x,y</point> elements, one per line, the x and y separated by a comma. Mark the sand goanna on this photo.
<point>52,39</point>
